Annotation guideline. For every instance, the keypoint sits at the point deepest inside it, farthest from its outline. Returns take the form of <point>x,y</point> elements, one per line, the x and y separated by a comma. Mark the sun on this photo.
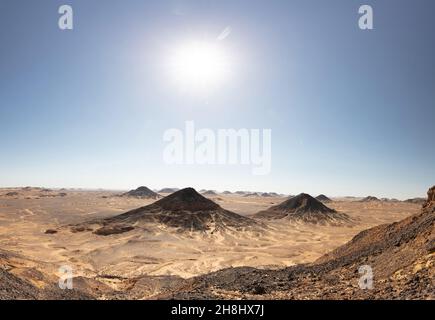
<point>200,65</point>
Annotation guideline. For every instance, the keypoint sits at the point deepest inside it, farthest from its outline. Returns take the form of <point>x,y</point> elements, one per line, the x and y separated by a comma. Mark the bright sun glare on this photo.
<point>200,65</point>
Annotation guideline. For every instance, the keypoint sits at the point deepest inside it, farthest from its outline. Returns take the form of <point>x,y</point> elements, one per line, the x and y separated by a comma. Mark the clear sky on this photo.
<point>352,112</point>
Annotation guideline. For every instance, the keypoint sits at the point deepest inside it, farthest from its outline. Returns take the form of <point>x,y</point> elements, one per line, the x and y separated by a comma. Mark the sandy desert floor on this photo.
<point>25,217</point>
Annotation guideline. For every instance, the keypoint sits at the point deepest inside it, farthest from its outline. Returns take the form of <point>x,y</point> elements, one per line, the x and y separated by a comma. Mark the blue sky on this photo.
<point>352,112</point>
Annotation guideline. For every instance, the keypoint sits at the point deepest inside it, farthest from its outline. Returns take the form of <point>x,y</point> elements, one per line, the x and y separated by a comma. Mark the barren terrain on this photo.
<point>38,225</point>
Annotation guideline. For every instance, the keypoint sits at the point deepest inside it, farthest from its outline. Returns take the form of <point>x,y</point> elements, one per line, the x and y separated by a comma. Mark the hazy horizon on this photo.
<point>351,112</point>
<point>198,189</point>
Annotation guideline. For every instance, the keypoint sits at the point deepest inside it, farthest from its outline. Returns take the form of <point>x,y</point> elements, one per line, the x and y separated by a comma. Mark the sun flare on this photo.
<point>200,65</point>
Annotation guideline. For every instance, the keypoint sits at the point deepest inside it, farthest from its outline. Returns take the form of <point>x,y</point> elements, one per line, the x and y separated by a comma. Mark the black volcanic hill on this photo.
<point>273,194</point>
<point>168,190</point>
<point>186,200</point>
<point>185,210</point>
<point>369,199</point>
<point>141,192</point>
<point>269,194</point>
<point>209,193</point>
<point>323,198</point>
<point>241,193</point>
<point>251,194</point>
<point>305,208</point>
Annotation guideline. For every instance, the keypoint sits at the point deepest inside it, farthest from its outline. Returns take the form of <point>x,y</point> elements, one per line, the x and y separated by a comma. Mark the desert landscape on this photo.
<point>217,150</point>
<point>146,244</point>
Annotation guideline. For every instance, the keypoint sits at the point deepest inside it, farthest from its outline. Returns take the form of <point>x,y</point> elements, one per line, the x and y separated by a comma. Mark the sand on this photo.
<point>160,251</point>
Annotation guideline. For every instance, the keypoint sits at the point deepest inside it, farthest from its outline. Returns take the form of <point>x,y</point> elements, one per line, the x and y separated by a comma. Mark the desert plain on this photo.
<point>38,224</point>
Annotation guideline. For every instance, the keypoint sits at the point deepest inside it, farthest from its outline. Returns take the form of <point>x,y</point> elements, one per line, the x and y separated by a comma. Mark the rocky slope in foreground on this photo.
<point>18,281</point>
<point>400,254</point>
